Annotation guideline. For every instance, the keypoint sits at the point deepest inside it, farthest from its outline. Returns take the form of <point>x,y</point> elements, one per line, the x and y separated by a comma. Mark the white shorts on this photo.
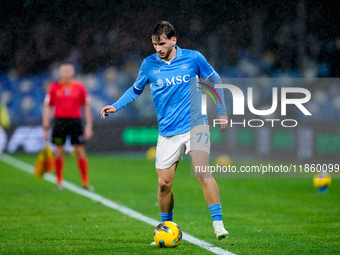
<point>171,148</point>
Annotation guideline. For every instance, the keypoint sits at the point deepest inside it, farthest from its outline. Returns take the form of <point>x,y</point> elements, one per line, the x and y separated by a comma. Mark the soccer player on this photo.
<point>67,96</point>
<point>169,72</point>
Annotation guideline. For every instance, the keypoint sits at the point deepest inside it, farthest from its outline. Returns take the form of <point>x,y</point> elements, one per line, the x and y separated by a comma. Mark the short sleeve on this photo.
<point>49,98</point>
<point>205,70</point>
<point>84,99</point>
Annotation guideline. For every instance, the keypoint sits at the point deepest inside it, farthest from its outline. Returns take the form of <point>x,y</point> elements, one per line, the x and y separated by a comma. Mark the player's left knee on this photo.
<point>164,186</point>
<point>80,151</point>
<point>205,180</point>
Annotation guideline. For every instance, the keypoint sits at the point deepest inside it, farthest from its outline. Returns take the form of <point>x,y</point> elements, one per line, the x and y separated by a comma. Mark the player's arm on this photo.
<point>46,119</point>
<point>106,110</point>
<point>47,112</point>
<point>85,101</point>
<point>224,125</point>
<point>220,108</point>
<point>130,95</point>
<point>88,122</point>
<point>209,75</point>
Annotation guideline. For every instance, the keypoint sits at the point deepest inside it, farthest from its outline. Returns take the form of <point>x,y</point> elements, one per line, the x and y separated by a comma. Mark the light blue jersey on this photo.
<point>170,89</point>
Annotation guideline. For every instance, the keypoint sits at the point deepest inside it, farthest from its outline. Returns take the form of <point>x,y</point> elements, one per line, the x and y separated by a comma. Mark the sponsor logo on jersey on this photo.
<point>177,80</point>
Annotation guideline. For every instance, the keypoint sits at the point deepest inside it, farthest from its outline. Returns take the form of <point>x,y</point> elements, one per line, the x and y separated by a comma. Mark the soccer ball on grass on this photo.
<point>151,153</point>
<point>322,181</point>
<point>223,160</point>
<point>167,234</point>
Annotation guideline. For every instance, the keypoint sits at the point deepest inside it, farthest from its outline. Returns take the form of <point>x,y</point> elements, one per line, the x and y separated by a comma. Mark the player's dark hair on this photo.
<point>163,27</point>
<point>66,63</point>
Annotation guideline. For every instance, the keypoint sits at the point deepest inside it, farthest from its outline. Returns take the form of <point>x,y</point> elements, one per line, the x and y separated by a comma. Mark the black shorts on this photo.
<point>64,127</point>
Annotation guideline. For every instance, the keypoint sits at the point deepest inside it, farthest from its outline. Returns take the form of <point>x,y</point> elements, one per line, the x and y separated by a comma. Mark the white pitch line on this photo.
<point>111,204</point>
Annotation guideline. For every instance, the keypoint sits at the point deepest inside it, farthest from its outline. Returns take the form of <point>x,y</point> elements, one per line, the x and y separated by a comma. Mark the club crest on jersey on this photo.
<point>160,83</point>
<point>184,67</point>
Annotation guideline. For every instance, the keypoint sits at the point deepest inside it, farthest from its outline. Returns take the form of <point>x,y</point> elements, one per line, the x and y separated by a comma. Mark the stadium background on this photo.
<point>107,40</point>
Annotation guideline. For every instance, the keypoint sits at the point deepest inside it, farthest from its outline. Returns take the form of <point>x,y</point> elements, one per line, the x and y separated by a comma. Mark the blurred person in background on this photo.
<point>2,139</point>
<point>67,96</point>
<point>5,122</point>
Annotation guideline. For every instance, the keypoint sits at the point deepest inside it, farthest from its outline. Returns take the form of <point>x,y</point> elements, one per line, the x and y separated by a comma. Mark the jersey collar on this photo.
<point>179,51</point>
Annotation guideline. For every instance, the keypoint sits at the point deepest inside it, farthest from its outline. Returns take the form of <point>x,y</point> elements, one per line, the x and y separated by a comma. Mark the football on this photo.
<point>151,153</point>
<point>223,160</point>
<point>167,234</point>
<point>322,180</point>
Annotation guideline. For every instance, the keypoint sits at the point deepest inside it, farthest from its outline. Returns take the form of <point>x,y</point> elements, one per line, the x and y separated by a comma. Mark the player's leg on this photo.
<point>164,193</point>
<point>200,159</point>
<point>199,149</point>
<point>169,151</point>
<point>59,164</point>
<point>59,138</point>
<point>209,186</point>
<point>77,140</point>
<point>82,164</point>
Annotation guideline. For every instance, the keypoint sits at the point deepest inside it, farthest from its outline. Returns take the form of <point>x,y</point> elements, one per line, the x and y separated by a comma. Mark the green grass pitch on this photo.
<point>263,216</point>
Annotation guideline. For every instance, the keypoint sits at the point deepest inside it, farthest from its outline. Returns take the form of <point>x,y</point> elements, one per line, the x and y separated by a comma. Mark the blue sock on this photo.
<point>216,211</point>
<point>168,216</point>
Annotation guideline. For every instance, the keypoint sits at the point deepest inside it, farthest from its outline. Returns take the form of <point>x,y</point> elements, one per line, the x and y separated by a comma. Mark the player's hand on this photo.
<point>88,133</point>
<point>46,134</point>
<point>106,109</point>
<point>223,126</point>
